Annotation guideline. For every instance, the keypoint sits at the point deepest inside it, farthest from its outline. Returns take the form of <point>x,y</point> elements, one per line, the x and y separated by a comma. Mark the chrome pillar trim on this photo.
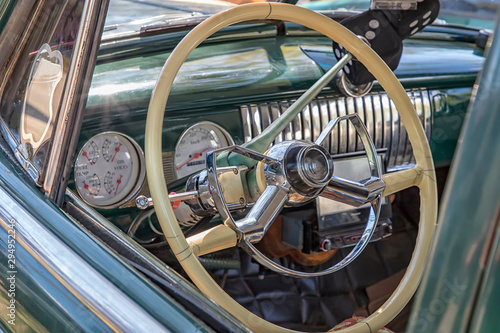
<point>351,132</point>
<point>378,136</point>
<point>369,118</point>
<point>265,117</point>
<point>74,98</point>
<point>416,99</point>
<point>275,114</point>
<point>427,112</point>
<point>382,122</point>
<point>400,150</point>
<point>335,134</point>
<point>256,125</point>
<point>393,131</point>
<point>324,118</point>
<point>288,132</point>
<point>113,308</point>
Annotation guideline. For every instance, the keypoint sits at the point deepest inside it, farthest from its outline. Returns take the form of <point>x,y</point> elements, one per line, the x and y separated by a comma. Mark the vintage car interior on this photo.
<point>269,156</point>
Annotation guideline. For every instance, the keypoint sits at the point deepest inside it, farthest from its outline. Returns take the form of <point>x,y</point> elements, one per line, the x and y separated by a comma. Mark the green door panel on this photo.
<point>468,221</point>
<point>49,248</point>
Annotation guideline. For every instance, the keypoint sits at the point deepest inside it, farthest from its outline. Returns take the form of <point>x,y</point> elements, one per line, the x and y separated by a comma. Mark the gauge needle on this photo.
<point>88,189</point>
<point>117,149</point>
<point>196,155</point>
<point>119,181</point>
<point>85,154</point>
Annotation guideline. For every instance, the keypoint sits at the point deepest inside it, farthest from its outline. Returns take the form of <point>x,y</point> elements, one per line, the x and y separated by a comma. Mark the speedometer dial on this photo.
<point>109,170</point>
<point>195,143</point>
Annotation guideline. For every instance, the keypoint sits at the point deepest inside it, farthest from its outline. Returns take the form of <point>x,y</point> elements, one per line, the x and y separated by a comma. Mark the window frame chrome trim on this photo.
<point>74,99</point>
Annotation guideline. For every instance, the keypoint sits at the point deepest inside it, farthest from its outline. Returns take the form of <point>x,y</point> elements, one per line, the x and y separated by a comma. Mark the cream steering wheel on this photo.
<point>421,175</point>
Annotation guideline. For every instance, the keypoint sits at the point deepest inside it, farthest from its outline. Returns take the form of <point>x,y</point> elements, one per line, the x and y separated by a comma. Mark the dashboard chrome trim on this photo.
<point>375,109</point>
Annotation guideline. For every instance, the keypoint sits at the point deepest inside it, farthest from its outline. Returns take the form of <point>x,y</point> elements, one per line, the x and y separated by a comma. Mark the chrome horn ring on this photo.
<point>290,178</point>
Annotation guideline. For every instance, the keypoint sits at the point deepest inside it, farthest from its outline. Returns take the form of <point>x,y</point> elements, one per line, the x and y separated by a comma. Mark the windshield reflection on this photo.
<point>129,16</point>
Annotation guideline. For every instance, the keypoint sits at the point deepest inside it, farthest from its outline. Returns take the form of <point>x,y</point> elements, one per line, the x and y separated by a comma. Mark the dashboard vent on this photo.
<point>376,110</point>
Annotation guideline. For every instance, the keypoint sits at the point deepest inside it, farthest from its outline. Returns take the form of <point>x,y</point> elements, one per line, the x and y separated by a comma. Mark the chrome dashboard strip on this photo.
<point>395,133</point>
<point>316,125</point>
<point>351,132</point>
<point>378,122</point>
<point>360,110</point>
<point>307,123</point>
<point>376,110</point>
<point>343,134</point>
<point>427,114</point>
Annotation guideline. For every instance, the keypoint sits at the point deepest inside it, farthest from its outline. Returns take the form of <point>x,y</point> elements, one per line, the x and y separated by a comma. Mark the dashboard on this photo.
<point>226,96</point>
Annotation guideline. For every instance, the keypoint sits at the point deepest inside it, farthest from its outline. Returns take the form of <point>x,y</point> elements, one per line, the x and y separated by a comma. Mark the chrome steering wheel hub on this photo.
<point>306,168</point>
<point>296,172</point>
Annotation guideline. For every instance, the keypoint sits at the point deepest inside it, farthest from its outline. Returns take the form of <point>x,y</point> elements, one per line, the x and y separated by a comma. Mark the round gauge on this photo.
<point>195,143</point>
<point>109,170</point>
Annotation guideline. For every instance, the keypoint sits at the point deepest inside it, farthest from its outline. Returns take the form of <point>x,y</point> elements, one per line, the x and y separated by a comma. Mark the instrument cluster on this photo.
<point>193,145</point>
<point>110,170</point>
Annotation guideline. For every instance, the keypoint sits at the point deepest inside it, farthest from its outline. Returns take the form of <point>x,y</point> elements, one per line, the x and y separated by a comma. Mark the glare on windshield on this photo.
<point>129,16</point>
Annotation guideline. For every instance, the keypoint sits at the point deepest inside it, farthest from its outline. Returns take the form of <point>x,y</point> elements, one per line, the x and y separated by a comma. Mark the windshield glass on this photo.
<point>472,13</point>
<point>133,16</point>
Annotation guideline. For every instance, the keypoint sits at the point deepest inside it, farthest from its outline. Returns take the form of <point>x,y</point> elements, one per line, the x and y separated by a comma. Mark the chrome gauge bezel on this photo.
<point>219,131</point>
<point>138,156</point>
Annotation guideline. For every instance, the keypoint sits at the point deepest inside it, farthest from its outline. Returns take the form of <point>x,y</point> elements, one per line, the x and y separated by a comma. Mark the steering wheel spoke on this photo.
<point>353,193</point>
<point>214,239</point>
<point>264,211</point>
<point>348,191</point>
<point>261,142</point>
<point>400,180</point>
